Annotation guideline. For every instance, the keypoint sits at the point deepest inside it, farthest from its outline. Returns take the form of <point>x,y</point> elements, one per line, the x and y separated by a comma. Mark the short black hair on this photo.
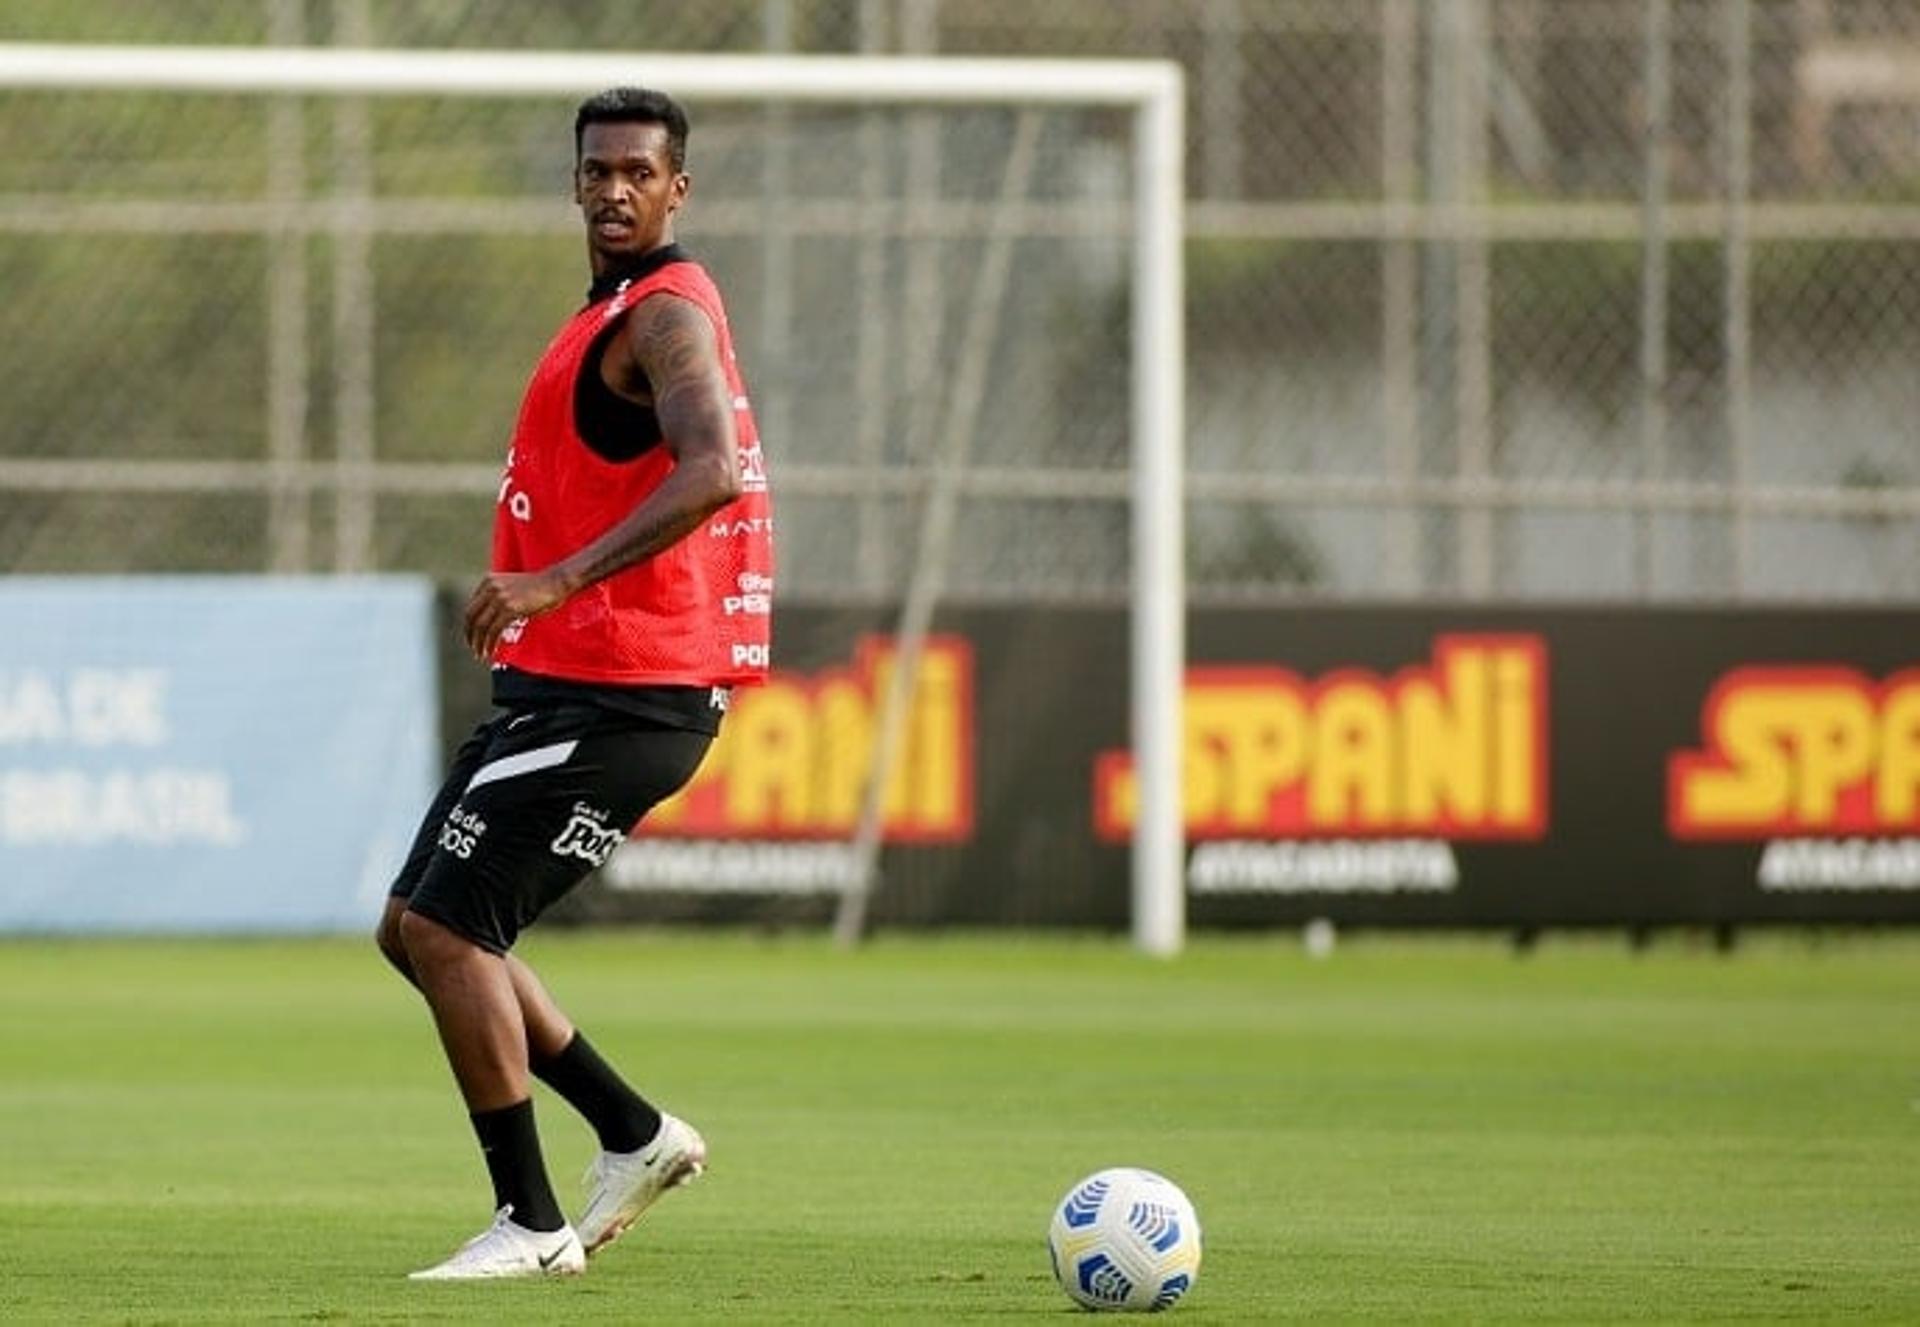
<point>635,106</point>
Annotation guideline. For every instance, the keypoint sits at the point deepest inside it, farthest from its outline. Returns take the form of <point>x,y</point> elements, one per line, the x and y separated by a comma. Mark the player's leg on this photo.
<point>561,1057</point>
<point>557,1053</point>
<point>455,921</point>
<point>548,1027</point>
<point>474,1008</point>
<point>550,800</point>
<point>478,1016</point>
<point>644,1151</point>
<point>521,1182</point>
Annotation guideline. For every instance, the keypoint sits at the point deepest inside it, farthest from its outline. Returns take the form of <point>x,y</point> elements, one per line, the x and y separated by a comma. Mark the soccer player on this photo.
<point>630,587</point>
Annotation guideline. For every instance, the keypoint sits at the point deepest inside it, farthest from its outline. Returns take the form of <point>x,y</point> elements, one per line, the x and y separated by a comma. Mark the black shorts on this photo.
<point>533,801</point>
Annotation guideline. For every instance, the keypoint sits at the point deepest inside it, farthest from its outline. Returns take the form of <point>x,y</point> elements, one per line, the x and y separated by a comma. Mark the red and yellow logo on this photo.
<point>794,753</point>
<point>1454,749</point>
<point>1791,751</point>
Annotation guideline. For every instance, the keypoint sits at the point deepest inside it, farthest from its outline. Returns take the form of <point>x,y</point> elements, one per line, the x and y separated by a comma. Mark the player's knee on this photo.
<point>387,936</point>
<point>428,945</point>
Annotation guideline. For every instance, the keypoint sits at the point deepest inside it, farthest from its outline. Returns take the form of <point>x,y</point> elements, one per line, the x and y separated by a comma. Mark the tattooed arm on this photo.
<point>668,348</point>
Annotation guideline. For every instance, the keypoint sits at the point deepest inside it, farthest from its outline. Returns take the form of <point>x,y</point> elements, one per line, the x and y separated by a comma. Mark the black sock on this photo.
<point>511,1146</point>
<point>622,1118</point>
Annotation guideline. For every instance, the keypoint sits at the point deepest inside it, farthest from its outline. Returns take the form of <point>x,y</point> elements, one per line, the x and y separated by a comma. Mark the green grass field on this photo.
<point>254,1132</point>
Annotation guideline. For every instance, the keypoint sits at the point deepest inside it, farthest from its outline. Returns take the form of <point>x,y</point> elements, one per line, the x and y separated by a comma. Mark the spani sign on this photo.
<point>1808,750</point>
<point>1820,762</point>
<point>794,754</point>
<point>1452,749</point>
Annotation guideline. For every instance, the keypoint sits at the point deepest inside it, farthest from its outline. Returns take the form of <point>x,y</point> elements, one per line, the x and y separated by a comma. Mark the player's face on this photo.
<point>627,188</point>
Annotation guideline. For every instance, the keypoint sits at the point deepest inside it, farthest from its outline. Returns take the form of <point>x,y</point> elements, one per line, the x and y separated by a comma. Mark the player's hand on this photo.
<point>505,597</point>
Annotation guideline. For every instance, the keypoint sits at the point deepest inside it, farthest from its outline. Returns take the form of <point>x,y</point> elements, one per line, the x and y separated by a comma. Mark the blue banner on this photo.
<point>211,754</point>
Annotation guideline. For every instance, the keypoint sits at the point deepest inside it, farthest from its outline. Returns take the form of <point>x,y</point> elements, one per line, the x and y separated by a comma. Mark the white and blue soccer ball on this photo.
<point>1125,1239</point>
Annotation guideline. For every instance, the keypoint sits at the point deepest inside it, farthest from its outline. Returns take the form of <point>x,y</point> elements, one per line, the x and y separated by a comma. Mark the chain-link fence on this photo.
<point>1616,298</point>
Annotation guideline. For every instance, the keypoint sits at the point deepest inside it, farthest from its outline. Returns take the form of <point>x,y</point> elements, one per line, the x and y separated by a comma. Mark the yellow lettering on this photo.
<point>1758,780</point>
<point>845,719</point>
<point>1899,776</point>
<point>1249,743</point>
<point>1203,780</point>
<point>897,803</point>
<point>1444,741</point>
<point>1832,729</point>
<point>1353,758</point>
<point>769,773</point>
<point>936,760</point>
<point>1519,760</point>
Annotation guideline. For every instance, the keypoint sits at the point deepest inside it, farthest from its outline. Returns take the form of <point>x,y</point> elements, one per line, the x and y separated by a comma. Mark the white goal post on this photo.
<point>1152,91</point>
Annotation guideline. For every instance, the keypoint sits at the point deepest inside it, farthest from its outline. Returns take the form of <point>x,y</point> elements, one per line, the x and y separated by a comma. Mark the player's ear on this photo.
<point>682,185</point>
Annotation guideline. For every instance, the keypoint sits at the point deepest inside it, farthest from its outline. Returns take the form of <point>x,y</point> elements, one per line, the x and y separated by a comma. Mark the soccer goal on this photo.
<point>901,504</point>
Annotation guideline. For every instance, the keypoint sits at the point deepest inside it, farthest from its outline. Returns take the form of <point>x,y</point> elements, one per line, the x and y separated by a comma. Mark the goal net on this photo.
<point>271,310</point>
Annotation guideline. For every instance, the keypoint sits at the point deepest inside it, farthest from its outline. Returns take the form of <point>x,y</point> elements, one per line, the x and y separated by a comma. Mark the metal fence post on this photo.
<point>1738,310</point>
<point>290,499</point>
<point>774,409</point>
<point>1223,25</point>
<point>874,333</point>
<point>1653,289</point>
<point>1399,305</point>
<point>923,296</point>
<point>353,310</point>
<point>1473,381</point>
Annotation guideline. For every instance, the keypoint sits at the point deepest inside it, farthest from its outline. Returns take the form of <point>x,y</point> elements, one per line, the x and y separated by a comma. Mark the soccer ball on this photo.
<point>1125,1239</point>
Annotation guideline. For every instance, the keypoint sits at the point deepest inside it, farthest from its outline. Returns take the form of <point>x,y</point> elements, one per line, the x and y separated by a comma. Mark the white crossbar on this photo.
<point>337,71</point>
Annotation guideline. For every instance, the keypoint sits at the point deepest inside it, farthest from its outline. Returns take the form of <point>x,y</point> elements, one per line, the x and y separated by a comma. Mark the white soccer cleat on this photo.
<point>622,1185</point>
<point>504,1249</point>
